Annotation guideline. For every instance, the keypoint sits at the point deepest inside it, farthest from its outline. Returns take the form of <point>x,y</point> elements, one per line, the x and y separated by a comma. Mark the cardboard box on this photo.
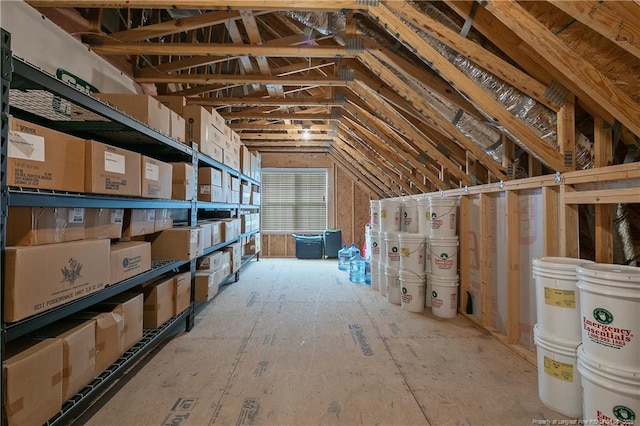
<point>38,278</point>
<point>232,160</point>
<point>206,234</point>
<point>233,197</point>
<point>41,158</point>
<point>245,193</point>
<point>252,245</point>
<point>138,222</point>
<point>156,178</point>
<point>211,193</point>
<point>30,226</point>
<point>174,103</point>
<point>211,262</point>
<point>78,353</point>
<point>216,233</point>
<point>129,258</point>
<point>209,176</point>
<point>109,334</point>
<point>177,126</point>
<point>231,229</point>
<point>142,107</point>
<point>218,138</point>
<point>183,183</point>
<point>158,302</point>
<point>163,220</point>
<point>181,172</point>
<point>182,292</point>
<point>235,184</point>
<point>206,286</point>
<point>255,198</point>
<point>103,223</point>
<point>235,136</point>
<point>226,181</point>
<point>197,124</point>
<point>32,380</point>
<point>180,243</point>
<point>215,152</point>
<point>218,120</point>
<point>111,170</point>
<point>130,306</point>
<point>245,160</point>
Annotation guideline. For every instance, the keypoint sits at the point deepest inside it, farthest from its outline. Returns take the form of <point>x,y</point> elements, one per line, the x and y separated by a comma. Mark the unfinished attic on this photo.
<point>488,148</point>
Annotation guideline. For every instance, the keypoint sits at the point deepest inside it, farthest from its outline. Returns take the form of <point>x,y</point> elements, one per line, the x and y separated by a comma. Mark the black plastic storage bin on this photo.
<point>308,246</point>
<point>332,243</point>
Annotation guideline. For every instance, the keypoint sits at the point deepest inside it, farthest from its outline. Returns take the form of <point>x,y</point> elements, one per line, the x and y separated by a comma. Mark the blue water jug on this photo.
<point>354,250</point>
<point>367,271</point>
<point>344,255</point>
<point>356,269</point>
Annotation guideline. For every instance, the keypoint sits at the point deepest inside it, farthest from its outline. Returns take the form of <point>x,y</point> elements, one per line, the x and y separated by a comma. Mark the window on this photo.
<point>294,200</point>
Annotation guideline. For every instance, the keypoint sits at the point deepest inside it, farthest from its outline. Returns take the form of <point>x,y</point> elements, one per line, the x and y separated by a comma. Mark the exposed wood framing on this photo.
<point>513,267</point>
<point>464,253</point>
<point>550,221</point>
<point>459,80</point>
<point>604,213</point>
<point>474,52</point>
<point>271,5</point>
<point>622,30</point>
<point>569,225</point>
<point>485,259</point>
<point>351,171</point>
<point>582,78</point>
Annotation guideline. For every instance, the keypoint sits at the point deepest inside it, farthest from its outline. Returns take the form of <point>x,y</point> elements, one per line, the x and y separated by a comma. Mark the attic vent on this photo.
<point>346,74</point>
<point>368,2</point>
<point>556,93</point>
<point>354,45</point>
<point>568,159</point>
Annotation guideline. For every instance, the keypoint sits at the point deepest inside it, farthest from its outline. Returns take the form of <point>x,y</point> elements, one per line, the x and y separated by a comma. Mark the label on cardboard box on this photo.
<point>114,163</point>
<point>151,172</point>
<point>26,147</point>
<point>116,215</point>
<point>205,189</point>
<point>76,215</point>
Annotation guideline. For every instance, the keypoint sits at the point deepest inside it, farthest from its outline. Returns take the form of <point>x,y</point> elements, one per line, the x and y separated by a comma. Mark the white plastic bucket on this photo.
<point>412,291</point>
<point>557,296</point>
<point>427,259</point>
<point>390,213</point>
<point>375,245</point>
<point>382,279</point>
<point>393,285</point>
<point>392,248</point>
<point>409,221</point>
<point>444,256</point>
<point>559,384</point>
<point>374,211</point>
<point>375,275</point>
<point>427,298</point>
<point>442,215</point>
<point>444,296</point>
<point>610,312</point>
<point>424,216</point>
<point>413,250</point>
<point>610,395</point>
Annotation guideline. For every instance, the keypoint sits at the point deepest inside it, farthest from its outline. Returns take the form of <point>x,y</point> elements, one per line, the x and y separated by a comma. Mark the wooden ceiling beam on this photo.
<point>574,72</point>
<point>473,51</point>
<point>383,180</point>
<point>355,175</point>
<point>270,5</point>
<point>604,19</point>
<point>276,116</point>
<point>286,136</point>
<point>221,49</point>
<point>242,79</point>
<point>479,96</point>
<point>408,185</point>
<point>424,144</point>
<point>394,141</point>
<point>260,126</point>
<point>251,101</point>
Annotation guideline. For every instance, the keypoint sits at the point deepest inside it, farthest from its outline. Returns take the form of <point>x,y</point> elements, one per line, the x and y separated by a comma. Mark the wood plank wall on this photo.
<point>348,203</point>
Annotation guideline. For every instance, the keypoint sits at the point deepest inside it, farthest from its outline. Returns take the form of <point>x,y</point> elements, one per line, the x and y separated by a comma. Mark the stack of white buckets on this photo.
<point>414,251</point>
<point>588,339</point>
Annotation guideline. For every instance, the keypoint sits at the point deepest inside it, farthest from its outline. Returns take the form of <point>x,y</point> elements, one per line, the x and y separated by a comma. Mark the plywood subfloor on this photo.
<point>295,343</point>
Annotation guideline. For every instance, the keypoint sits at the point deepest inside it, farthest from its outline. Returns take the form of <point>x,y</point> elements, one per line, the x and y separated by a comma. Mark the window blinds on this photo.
<point>294,200</point>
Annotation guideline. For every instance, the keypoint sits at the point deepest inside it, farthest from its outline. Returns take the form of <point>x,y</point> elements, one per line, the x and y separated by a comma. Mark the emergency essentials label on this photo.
<point>76,215</point>
<point>560,298</point>
<point>601,332</point>
<point>116,215</point>
<point>559,370</point>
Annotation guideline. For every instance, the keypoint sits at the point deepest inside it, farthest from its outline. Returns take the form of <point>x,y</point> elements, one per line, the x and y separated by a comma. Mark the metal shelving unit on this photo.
<point>36,96</point>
